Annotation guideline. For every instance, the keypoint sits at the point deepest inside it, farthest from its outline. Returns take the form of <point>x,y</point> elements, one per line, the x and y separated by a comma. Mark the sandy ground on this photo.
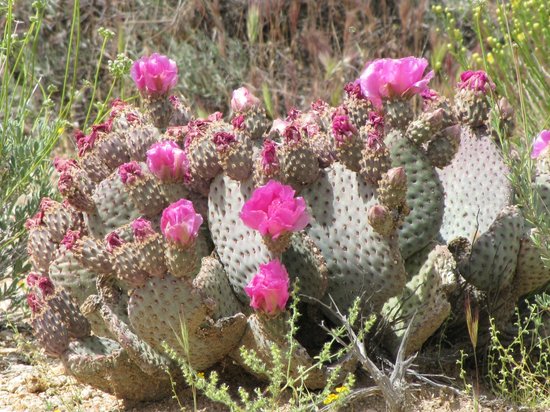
<point>30,381</point>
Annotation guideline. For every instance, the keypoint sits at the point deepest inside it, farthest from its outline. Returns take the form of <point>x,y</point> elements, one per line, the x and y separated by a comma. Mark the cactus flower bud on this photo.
<point>292,135</point>
<point>268,289</point>
<point>380,219</point>
<point>273,210</point>
<point>154,75</point>
<point>541,145</point>
<point>180,223</point>
<point>142,229</point>
<point>167,161</point>
<point>477,81</point>
<point>397,177</point>
<point>394,79</point>
<point>130,172</point>
<point>242,100</point>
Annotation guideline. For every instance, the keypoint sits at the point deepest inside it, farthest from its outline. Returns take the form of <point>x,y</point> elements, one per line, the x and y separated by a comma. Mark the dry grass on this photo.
<point>288,51</point>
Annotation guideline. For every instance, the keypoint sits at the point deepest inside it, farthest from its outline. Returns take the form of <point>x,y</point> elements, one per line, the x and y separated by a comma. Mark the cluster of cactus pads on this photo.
<point>173,225</point>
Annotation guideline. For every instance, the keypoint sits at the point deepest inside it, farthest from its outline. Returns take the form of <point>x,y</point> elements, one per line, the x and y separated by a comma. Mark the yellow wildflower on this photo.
<point>330,398</point>
<point>342,389</point>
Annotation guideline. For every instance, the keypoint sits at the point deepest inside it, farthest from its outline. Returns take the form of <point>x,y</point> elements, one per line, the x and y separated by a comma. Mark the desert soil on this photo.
<point>30,381</point>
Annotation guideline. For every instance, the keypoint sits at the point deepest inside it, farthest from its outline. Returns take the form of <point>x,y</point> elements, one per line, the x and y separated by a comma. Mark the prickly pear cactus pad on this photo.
<point>190,306</point>
<point>360,261</point>
<point>425,196</point>
<point>240,248</point>
<point>476,186</point>
<point>423,300</point>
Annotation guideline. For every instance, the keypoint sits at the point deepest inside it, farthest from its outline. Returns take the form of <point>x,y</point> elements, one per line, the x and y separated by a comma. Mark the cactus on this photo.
<point>190,231</point>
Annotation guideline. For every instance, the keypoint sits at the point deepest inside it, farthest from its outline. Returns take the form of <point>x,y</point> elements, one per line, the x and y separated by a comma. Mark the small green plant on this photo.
<point>519,369</point>
<point>282,386</point>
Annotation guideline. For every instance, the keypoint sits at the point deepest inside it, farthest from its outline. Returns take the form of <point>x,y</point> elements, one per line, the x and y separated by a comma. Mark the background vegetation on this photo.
<point>59,67</point>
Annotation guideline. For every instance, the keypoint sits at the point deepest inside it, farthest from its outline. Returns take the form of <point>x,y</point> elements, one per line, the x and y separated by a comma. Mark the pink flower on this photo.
<point>113,241</point>
<point>319,106</point>
<point>343,129</point>
<point>70,238</point>
<point>46,286</point>
<point>279,126</point>
<point>268,289</point>
<point>32,278</point>
<point>242,100</point>
<point>154,75</point>
<point>180,223</point>
<point>475,80</point>
<point>270,162</point>
<point>292,135</point>
<point>129,172</point>
<point>353,89</point>
<point>541,145</point>
<point>238,122</point>
<point>273,210</point>
<point>394,78</point>
<point>34,302</point>
<point>309,124</point>
<point>293,114</point>
<point>142,229</point>
<point>167,161</point>
<point>224,140</point>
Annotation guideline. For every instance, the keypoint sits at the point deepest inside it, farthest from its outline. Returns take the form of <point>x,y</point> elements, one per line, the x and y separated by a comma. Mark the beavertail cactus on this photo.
<point>176,228</point>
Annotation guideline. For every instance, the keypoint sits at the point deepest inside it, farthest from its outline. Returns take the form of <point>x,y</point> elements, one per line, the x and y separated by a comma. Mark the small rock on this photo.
<point>35,384</point>
<point>86,393</point>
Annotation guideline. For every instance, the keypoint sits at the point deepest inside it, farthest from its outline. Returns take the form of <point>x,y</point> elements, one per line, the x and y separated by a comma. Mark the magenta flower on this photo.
<point>475,80</point>
<point>142,229</point>
<point>270,162</point>
<point>279,126</point>
<point>268,289</point>
<point>541,144</point>
<point>70,238</point>
<point>353,89</point>
<point>242,100</point>
<point>343,129</point>
<point>154,75</point>
<point>238,122</point>
<point>129,172</point>
<point>35,303</point>
<point>46,286</point>
<point>273,210</point>
<point>167,161</point>
<point>180,223</point>
<point>32,278</point>
<point>394,78</point>
<point>224,140</point>
<point>113,241</point>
